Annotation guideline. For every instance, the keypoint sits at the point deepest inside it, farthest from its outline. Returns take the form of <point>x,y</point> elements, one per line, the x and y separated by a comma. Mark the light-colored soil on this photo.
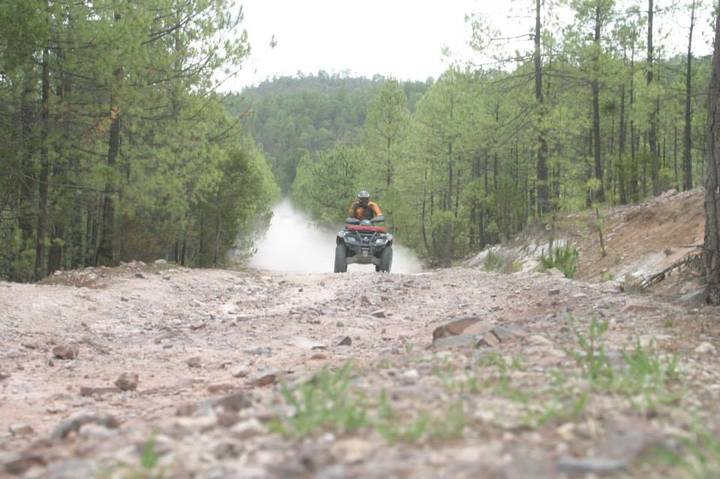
<point>639,239</point>
<point>522,407</point>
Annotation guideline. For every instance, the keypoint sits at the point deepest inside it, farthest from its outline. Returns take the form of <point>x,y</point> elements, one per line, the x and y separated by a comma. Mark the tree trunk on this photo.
<point>55,254</point>
<point>543,198</point>
<point>449,224</point>
<point>634,193</point>
<point>687,158</point>
<point>216,249</point>
<point>43,180</point>
<point>675,158</point>
<point>58,245</point>
<point>27,174</point>
<point>652,133</point>
<point>183,249</point>
<point>711,256</point>
<point>106,252</point>
<point>595,85</point>
<point>621,149</point>
<point>423,213</point>
<point>449,197</point>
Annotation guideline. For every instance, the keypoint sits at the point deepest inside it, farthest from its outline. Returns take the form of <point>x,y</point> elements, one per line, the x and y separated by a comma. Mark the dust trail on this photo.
<point>293,244</point>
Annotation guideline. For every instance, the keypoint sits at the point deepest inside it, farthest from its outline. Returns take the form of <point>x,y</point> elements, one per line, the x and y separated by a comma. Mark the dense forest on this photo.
<point>113,144</point>
<point>591,114</point>
<point>291,117</point>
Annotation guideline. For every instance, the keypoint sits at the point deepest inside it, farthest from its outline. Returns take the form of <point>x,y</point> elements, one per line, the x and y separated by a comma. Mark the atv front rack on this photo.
<point>366,229</point>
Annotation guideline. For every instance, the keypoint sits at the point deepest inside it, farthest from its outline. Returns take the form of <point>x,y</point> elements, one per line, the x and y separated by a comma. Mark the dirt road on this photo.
<point>226,366</point>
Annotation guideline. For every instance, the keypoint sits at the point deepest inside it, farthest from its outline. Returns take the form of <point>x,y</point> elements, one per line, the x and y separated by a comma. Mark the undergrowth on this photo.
<point>328,402</point>
<point>564,258</point>
<point>644,375</point>
<point>494,262</point>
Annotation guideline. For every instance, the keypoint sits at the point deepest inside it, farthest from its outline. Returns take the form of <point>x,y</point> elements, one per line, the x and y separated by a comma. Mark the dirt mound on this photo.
<point>640,242</point>
<point>102,276</point>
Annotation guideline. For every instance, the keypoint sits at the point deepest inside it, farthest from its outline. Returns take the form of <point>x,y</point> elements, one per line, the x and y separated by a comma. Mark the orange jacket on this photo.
<point>362,213</point>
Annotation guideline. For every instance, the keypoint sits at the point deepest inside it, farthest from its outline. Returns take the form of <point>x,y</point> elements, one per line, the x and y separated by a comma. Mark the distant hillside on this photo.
<point>289,116</point>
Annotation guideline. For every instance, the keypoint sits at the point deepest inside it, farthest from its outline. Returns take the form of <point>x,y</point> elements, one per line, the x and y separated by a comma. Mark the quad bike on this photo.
<point>363,242</point>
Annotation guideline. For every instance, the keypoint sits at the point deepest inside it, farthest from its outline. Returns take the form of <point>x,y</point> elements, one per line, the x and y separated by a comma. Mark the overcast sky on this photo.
<point>400,38</point>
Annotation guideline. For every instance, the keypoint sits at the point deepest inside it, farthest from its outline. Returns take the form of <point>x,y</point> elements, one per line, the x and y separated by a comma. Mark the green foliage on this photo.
<point>702,459</point>
<point>555,410</point>
<point>136,79</point>
<point>606,276</point>
<point>592,357</point>
<point>494,262</point>
<point>328,402</point>
<point>325,402</point>
<point>294,117</point>
<point>452,161</point>
<point>563,257</point>
<point>645,376</point>
<point>149,457</point>
<point>327,186</point>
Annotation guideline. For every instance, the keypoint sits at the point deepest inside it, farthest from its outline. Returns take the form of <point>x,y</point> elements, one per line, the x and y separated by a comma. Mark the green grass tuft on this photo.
<point>564,258</point>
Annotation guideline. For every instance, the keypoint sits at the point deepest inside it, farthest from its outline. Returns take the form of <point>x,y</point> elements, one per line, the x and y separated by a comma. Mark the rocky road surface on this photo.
<point>150,371</point>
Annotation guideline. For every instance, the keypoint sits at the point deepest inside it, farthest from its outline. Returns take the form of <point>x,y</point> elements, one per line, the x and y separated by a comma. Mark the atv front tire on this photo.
<point>340,259</point>
<point>385,260</point>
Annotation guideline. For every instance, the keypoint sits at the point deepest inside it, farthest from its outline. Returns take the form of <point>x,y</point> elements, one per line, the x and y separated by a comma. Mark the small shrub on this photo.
<point>563,258</point>
<point>494,262</point>
<point>149,457</point>
<point>591,356</point>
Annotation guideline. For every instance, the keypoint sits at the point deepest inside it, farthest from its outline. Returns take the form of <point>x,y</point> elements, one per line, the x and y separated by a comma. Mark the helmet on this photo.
<point>363,197</point>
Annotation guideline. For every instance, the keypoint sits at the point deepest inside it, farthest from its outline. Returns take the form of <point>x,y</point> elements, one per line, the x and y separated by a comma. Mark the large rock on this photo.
<point>127,381</point>
<point>458,327</point>
<point>21,429</point>
<point>72,469</point>
<point>21,463</point>
<point>705,348</point>
<point>306,343</point>
<point>64,351</point>
<point>74,423</point>
<point>506,333</point>
<point>234,402</point>
<point>589,465</point>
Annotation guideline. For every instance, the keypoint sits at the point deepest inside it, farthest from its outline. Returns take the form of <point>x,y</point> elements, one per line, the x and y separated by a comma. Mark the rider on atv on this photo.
<point>363,208</point>
<point>362,241</point>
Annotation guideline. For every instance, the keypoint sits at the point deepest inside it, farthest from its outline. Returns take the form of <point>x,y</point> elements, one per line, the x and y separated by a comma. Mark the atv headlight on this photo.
<point>380,241</point>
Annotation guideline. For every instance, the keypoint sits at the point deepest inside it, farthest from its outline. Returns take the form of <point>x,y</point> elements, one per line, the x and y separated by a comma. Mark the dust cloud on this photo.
<point>294,244</point>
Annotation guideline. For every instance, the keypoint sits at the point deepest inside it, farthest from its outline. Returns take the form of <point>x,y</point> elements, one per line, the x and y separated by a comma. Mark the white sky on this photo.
<point>399,38</point>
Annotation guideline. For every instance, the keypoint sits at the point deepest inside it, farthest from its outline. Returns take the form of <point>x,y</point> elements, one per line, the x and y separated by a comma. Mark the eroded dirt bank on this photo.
<point>525,387</point>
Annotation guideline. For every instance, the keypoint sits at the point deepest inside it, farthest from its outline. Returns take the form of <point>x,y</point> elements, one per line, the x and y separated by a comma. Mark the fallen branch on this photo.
<point>657,277</point>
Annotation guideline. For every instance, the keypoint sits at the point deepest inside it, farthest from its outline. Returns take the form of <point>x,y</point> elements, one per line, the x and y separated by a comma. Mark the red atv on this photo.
<point>363,242</point>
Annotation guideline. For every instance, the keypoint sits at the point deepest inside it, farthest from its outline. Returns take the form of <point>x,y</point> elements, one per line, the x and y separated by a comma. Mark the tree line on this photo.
<point>592,113</point>
<point>113,143</point>
<point>308,114</point>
